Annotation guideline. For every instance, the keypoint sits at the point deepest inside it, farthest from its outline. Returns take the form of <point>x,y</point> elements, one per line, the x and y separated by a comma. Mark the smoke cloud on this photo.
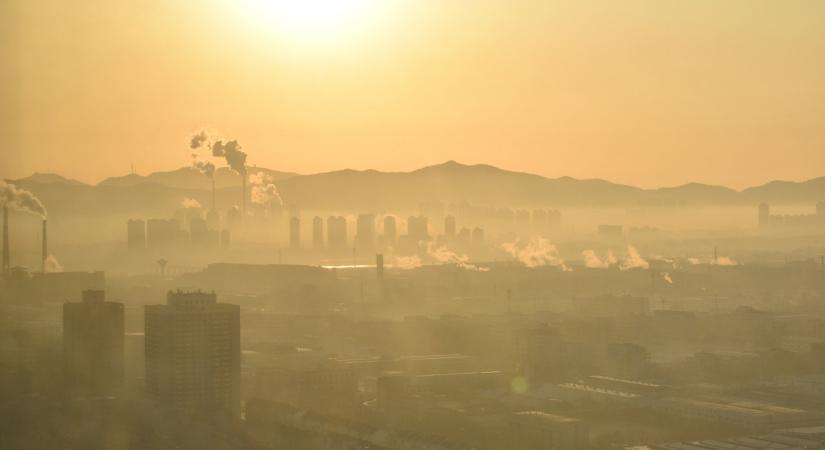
<point>633,260</point>
<point>536,252</point>
<point>190,203</point>
<point>406,262</point>
<point>52,265</point>
<point>202,142</point>
<point>719,261</point>
<point>263,191</point>
<point>592,260</point>
<point>233,154</point>
<point>443,255</point>
<point>21,200</point>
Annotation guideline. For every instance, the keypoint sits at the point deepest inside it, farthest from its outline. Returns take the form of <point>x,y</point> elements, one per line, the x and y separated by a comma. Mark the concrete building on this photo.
<point>294,232</point>
<point>766,219</point>
<point>136,234</point>
<point>317,233</point>
<point>93,346</point>
<point>193,353</point>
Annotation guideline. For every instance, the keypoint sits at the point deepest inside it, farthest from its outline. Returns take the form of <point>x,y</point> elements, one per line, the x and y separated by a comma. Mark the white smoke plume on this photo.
<point>443,255</point>
<point>633,260</point>
<point>666,277</point>
<point>263,191</point>
<point>52,265</point>
<point>21,200</point>
<point>592,260</point>
<point>536,252</point>
<point>406,262</point>
<point>719,261</point>
<point>190,203</point>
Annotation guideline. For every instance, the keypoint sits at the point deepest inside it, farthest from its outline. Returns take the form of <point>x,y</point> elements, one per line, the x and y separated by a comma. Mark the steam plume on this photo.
<point>52,265</point>
<point>443,255</point>
<point>263,191</point>
<point>666,277</point>
<point>592,260</point>
<point>21,200</point>
<point>202,141</point>
<point>719,261</point>
<point>536,252</point>
<point>190,203</point>
<point>633,260</point>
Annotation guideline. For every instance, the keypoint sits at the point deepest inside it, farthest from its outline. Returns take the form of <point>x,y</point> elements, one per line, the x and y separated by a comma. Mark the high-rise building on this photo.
<point>318,233</point>
<point>390,233</point>
<point>294,232</point>
<point>93,346</point>
<point>337,232</point>
<point>193,353</point>
<point>449,226</point>
<point>136,234</point>
<point>365,231</point>
<point>764,214</point>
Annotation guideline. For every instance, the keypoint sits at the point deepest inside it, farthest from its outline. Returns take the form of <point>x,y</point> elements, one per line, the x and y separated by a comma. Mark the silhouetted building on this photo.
<point>93,346</point>
<point>449,226</point>
<point>136,234</point>
<point>766,219</point>
<point>317,233</point>
<point>193,353</point>
<point>336,232</point>
<point>365,232</point>
<point>295,232</point>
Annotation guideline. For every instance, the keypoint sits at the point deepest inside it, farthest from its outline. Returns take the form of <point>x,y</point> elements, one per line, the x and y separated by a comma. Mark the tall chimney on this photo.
<point>45,246</point>
<point>6,249</point>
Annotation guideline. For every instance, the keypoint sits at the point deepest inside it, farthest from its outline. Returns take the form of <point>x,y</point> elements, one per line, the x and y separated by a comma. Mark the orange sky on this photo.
<point>653,92</point>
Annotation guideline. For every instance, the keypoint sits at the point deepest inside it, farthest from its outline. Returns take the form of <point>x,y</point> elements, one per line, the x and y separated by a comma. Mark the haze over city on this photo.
<point>397,225</point>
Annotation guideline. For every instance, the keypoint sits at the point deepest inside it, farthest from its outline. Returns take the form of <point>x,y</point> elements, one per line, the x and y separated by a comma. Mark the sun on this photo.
<point>313,20</point>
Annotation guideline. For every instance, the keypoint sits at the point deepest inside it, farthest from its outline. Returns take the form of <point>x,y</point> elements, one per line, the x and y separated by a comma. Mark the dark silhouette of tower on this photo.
<point>93,342</point>
<point>193,353</point>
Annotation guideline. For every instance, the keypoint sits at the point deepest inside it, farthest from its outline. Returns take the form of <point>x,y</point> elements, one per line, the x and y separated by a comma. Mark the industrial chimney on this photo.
<point>6,249</point>
<point>45,246</point>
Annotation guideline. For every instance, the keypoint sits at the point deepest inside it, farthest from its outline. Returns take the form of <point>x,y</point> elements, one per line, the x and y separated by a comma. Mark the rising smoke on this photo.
<point>263,191</point>
<point>190,203</point>
<point>443,255</point>
<point>233,154</point>
<point>52,265</point>
<point>198,143</point>
<point>633,260</point>
<point>592,260</point>
<point>536,252</point>
<point>21,200</point>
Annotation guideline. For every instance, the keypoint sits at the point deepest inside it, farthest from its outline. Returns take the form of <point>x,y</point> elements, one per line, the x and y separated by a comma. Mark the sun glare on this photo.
<point>313,20</point>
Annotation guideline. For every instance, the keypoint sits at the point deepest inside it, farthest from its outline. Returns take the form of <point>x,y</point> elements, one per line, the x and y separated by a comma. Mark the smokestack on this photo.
<point>45,246</point>
<point>243,196</point>
<point>379,267</point>
<point>6,250</point>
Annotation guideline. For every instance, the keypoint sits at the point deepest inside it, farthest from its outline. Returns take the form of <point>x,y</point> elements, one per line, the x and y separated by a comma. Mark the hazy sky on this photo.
<point>654,92</point>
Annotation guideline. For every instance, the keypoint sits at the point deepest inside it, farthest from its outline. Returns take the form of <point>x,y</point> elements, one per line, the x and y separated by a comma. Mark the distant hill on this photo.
<point>371,190</point>
<point>190,178</point>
